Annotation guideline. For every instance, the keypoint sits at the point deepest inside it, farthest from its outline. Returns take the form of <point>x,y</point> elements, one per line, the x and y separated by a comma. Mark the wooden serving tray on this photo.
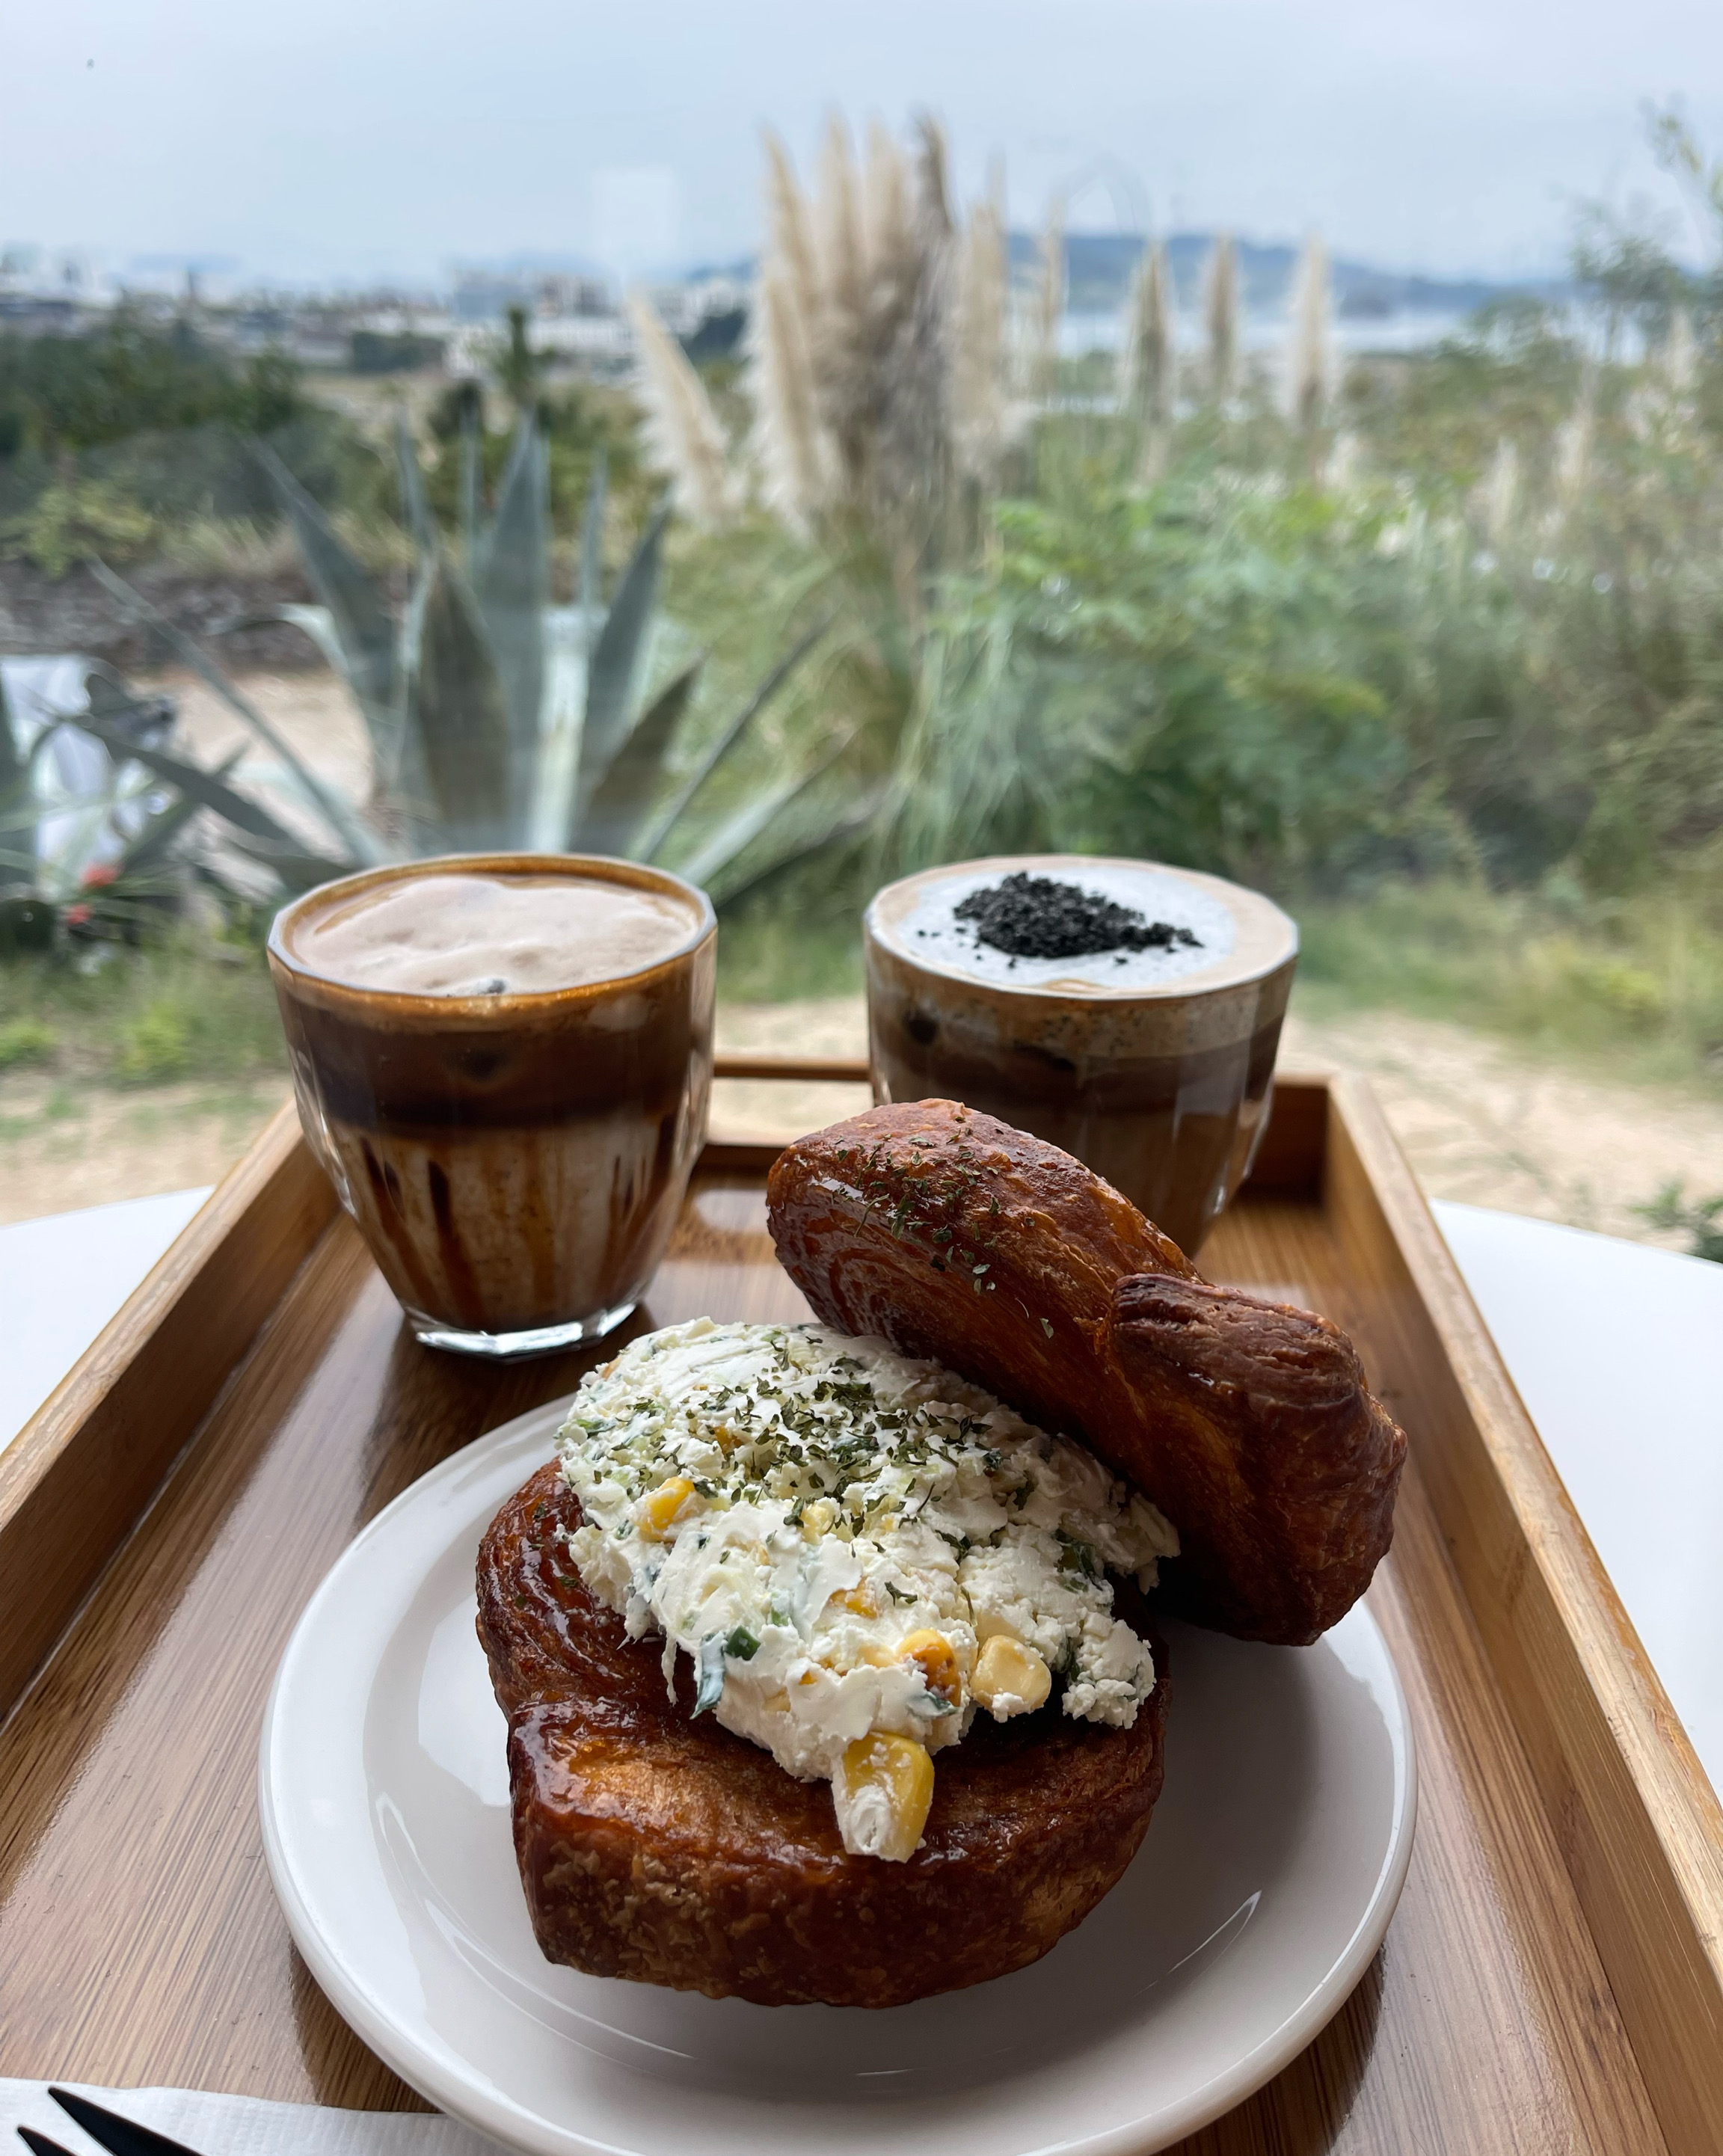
<point>1553,1979</point>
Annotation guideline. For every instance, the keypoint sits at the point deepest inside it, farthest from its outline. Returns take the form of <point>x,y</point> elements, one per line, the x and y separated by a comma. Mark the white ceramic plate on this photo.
<point>1265,1884</point>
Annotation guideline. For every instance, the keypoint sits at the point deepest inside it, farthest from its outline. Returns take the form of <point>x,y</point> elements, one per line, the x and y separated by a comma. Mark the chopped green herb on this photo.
<point>1077,1556</point>
<point>711,1664</point>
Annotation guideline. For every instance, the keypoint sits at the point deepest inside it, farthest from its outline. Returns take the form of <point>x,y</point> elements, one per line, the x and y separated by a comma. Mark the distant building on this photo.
<point>687,306</point>
<point>559,296</point>
<point>486,295</point>
<point>395,351</point>
<point>601,340</point>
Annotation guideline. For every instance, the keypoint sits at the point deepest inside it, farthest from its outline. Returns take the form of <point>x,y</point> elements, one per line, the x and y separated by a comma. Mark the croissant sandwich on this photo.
<point>1247,1423</point>
<point>827,1651</point>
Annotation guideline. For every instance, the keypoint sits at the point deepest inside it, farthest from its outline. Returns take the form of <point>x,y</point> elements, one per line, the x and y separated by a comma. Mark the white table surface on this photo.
<point>1618,1353</point>
<point>1616,1350</point>
<point>62,1278</point>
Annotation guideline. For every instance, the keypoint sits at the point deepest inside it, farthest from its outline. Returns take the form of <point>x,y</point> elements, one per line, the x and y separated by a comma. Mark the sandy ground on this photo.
<point>59,1152</point>
<point>312,712</point>
<point>1480,1122</point>
<point>1486,1125</point>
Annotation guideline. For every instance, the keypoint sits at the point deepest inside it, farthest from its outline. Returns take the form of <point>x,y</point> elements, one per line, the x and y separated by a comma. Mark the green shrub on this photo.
<point>1700,1220</point>
<point>1184,671</point>
<point>156,421</point>
<point>1637,985</point>
<point>68,523</point>
<point>132,377</point>
<point>156,1044</point>
<point>26,1041</point>
<point>173,1006</point>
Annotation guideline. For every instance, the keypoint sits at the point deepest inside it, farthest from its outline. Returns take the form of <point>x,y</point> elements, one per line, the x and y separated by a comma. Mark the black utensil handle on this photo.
<point>119,2137</point>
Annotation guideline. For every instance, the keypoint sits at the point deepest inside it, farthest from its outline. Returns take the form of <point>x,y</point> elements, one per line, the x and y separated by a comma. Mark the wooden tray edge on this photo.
<point>1289,1157</point>
<point>1638,1824</point>
<point>85,1467</point>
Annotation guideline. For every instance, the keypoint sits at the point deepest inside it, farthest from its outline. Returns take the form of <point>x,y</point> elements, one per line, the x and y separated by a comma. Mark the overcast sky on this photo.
<point>369,139</point>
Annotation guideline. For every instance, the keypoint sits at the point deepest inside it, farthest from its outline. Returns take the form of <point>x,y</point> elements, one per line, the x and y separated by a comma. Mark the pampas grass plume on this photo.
<point>1681,353</point>
<point>978,420</point>
<point>1501,494</point>
<point>1573,448</point>
<point>1220,310</point>
<point>789,233</point>
<point>1152,379</point>
<point>1309,356</point>
<point>786,429</point>
<point>1049,311</point>
<point>683,436</point>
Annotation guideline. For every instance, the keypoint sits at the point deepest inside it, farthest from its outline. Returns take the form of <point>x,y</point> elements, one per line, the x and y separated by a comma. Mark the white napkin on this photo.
<point>238,2125</point>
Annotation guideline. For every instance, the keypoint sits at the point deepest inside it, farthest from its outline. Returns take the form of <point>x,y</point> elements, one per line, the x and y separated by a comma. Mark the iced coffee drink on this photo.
<point>1126,1011</point>
<point>504,1063</point>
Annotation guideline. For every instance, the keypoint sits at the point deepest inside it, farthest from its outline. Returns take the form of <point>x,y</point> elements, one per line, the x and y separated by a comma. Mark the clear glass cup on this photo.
<point>1156,1071</point>
<point>516,1162</point>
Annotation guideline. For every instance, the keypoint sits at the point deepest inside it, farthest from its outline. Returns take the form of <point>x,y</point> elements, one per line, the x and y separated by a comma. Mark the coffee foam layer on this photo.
<point>926,928</point>
<point>468,933</point>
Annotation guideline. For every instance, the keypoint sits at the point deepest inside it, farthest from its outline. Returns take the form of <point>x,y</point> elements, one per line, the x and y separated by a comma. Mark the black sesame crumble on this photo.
<point>1036,917</point>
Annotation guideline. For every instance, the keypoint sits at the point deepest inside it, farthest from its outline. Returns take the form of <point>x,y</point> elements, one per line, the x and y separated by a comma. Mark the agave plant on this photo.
<point>86,829</point>
<point>68,805</point>
<point>495,718</point>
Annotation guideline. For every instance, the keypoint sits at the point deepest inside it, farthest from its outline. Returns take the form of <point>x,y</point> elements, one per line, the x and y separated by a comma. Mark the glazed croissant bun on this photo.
<point>956,1238</point>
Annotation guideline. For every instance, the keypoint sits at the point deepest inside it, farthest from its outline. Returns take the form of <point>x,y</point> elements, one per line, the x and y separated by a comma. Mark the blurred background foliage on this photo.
<point>1431,646</point>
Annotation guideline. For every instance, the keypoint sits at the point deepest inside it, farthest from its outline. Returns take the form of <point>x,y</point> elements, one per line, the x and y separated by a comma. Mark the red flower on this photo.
<point>75,916</point>
<point>98,874</point>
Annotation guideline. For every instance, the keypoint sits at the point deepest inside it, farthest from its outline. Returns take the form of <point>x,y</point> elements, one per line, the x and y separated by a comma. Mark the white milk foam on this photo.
<point>931,934</point>
<point>467,933</point>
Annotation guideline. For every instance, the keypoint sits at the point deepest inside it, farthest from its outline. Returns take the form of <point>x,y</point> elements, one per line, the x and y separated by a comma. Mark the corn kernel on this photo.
<point>933,1655</point>
<point>882,1792</point>
<point>662,1507</point>
<point>859,1601</point>
<point>817,1519</point>
<point>1009,1677</point>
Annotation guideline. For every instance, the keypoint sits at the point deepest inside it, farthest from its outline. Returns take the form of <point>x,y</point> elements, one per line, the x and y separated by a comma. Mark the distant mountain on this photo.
<point>1099,267</point>
<point>740,271</point>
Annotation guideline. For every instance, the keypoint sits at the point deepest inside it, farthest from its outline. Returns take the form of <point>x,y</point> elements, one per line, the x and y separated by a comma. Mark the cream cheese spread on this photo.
<point>858,1552</point>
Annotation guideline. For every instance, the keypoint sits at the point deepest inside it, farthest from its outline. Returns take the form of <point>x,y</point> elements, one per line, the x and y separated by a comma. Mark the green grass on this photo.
<point>188,1011</point>
<point>24,1040</point>
<point>1699,1219</point>
<point>1629,987</point>
<point>782,946</point>
<point>1632,988</point>
<point>184,1009</point>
